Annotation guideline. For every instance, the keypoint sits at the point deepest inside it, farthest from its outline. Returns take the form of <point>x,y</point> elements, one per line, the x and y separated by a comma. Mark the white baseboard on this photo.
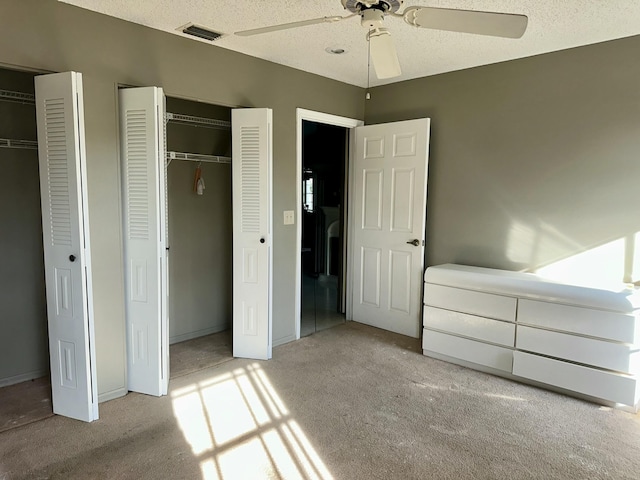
<point>283,340</point>
<point>23,377</point>
<point>106,396</point>
<point>198,333</point>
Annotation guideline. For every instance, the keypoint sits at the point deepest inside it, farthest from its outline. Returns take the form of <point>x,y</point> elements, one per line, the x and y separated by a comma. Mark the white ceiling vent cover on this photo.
<point>200,32</point>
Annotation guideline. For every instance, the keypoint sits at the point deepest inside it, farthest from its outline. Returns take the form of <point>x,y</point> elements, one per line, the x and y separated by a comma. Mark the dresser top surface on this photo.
<point>528,285</point>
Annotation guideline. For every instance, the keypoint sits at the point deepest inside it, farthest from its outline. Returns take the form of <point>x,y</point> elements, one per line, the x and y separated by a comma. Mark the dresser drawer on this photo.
<point>481,328</point>
<point>614,356</point>
<point>468,301</point>
<point>472,351</point>
<point>614,387</point>
<point>586,321</point>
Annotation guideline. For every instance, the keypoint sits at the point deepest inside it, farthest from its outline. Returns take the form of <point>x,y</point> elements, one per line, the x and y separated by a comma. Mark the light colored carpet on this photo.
<point>30,401</point>
<point>200,353</point>
<point>352,402</point>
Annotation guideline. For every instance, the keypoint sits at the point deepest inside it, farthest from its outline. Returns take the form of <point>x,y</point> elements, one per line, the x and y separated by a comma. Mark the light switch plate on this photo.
<point>288,217</point>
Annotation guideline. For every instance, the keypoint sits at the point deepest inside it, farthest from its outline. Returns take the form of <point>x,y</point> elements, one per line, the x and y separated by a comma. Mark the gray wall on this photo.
<point>200,227</point>
<point>24,350</point>
<point>50,36</point>
<point>532,160</point>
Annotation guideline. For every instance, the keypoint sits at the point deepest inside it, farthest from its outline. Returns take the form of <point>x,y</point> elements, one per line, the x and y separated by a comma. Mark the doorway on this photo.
<point>323,144</point>
<point>200,234</point>
<point>324,152</point>
<point>25,391</point>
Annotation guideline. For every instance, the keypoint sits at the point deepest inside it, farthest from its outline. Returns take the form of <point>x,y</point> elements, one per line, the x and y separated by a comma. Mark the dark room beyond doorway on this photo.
<point>324,153</point>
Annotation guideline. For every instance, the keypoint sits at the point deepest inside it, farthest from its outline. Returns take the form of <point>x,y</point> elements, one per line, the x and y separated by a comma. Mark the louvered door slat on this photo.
<point>57,171</point>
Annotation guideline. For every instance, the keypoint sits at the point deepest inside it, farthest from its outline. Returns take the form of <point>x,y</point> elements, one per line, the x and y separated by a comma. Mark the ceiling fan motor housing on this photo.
<point>360,6</point>
<point>372,18</point>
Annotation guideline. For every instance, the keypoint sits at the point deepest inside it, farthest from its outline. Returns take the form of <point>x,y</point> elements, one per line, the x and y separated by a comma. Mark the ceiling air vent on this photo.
<point>201,32</point>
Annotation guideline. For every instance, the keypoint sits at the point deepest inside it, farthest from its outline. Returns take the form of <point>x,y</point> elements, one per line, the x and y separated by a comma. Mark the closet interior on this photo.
<point>25,392</point>
<point>200,233</point>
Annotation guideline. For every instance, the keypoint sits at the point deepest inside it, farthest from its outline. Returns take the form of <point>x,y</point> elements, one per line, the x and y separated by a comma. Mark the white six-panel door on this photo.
<point>390,182</point>
<point>65,224</point>
<point>144,202</point>
<point>251,177</point>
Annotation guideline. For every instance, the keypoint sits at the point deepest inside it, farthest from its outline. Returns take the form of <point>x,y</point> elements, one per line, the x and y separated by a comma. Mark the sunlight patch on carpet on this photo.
<point>238,427</point>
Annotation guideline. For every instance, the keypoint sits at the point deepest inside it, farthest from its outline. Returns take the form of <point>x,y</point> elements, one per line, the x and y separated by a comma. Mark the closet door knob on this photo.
<point>415,242</point>
<point>262,240</point>
<point>72,258</point>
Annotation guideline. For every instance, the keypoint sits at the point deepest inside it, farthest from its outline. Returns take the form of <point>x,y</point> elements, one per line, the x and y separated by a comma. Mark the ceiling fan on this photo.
<point>382,50</point>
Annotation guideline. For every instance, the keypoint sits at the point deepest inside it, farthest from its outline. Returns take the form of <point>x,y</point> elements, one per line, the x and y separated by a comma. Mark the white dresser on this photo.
<point>576,339</point>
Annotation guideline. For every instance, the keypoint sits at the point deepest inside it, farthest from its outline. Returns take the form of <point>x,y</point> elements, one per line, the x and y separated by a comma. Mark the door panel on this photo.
<point>373,147</point>
<point>370,276</point>
<point>142,129</point>
<point>400,281</point>
<point>251,172</point>
<point>62,160</point>
<point>372,200</point>
<point>402,189</point>
<point>390,168</point>
<point>404,144</point>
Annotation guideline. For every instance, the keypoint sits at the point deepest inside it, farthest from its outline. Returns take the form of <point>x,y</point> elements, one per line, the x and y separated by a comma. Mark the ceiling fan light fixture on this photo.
<point>383,54</point>
<point>356,6</point>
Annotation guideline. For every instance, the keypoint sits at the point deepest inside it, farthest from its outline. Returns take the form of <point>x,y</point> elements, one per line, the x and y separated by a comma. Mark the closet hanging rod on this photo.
<point>196,157</point>
<point>24,144</point>
<point>17,97</point>
<point>198,121</point>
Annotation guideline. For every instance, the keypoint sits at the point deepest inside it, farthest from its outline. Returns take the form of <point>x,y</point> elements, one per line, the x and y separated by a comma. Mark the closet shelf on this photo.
<point>196,157</point>
<point>198,121</point>
<point>25,144</point>
<point>17,97</point>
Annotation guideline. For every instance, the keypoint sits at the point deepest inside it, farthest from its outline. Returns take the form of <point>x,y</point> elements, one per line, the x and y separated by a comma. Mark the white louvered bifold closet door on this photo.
<point>61,152</point>
<point>252,248</point>
<point>144,202</point>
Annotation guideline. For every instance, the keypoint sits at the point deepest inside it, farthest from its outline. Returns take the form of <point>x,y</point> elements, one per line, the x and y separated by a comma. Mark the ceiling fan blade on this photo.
<point>286,26</point>
<point>467,21</point>
<point>383,54</point>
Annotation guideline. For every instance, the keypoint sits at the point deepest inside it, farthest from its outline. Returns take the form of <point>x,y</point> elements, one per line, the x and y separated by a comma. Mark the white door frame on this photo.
<point>328,119</point>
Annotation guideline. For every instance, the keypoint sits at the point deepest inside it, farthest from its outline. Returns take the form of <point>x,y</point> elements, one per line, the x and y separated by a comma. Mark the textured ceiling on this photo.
<point>553,25</point>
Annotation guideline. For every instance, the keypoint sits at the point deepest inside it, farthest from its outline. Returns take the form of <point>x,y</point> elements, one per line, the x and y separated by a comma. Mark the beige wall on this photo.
<point>532,160</point>
<point>49,36</point>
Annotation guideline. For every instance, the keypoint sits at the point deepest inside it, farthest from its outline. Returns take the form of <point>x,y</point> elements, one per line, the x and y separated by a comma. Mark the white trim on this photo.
<point>283,340</point>
<point>348,281</point>
<point>329,119</point>
<point>23,377</point>
<point>112,394</point>
<point>198,333</point>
